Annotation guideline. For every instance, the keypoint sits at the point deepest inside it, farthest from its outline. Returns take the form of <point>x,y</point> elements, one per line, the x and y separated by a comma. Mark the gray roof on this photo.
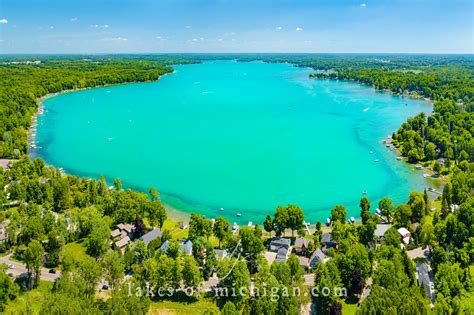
<point>381,229</point>
<point>187,247</point>
<point>424,278</point>
<point>280,242</point>
<point>148,237</point>
<point>318,255</point>
<point>282,254</point>
<point>326,238</point>
<point>221,253</point>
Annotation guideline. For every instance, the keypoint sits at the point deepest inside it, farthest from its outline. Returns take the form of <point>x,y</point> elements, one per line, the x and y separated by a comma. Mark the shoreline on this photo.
<point>174,213</point>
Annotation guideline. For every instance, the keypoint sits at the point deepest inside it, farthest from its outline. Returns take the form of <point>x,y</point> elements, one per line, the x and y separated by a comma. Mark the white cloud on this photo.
<point>363,5</point>
<point>298,29</point>
<point>115,39</point>
<point>278,28</point>
<point>74,19</point>
<point>101,26</point>
<point>3,21</point>
<point>229,34</point>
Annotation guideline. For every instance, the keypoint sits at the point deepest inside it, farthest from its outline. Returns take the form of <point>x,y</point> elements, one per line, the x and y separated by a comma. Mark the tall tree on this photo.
<point>365,210</point>
<point>221,229</point>
<point>33,254</point>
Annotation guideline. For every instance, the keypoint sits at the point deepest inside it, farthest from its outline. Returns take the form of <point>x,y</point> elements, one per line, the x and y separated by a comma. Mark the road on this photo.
<point>20,268</point>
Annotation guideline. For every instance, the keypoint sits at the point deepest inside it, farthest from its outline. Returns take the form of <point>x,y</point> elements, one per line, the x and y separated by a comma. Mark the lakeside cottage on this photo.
<point>405,235</point>
<point>327,242</point>
<point>317,258</point>
<point>301,245</point>
<point>277,242</point>
<point>150,236</point>
<point>186,247</point>
<point>282,254</point>
<point>122,243</point>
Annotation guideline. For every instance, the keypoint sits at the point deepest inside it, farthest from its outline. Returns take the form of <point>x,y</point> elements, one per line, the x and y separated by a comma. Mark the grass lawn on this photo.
<point>349,306</point>
<point>173,227</point>
<point>36,296</point>
<point>169,307</point>
<point>76,249</point>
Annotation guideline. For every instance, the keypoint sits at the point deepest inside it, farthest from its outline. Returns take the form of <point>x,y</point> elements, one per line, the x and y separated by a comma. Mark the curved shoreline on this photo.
<point>177,212</point>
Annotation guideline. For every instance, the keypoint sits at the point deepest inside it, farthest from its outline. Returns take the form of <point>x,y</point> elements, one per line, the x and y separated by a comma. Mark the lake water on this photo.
<point>245,137</point>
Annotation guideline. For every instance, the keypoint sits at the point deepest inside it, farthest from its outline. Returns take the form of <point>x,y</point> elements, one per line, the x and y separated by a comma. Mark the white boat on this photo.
<point>238,214</point>
<point>364,192</point>
<point>221,209</point>
<point>352,219</point>
<point>399,158</point>
<point>378,211</point>
<point>426,175</point>
<point>328,221</point>
<point>250,223</point>
<point>376,161</point>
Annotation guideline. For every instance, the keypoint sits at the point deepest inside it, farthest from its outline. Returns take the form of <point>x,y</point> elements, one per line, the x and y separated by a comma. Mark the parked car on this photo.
<point>10,266</point>
<point>52,271</point>
<point>105,287</point>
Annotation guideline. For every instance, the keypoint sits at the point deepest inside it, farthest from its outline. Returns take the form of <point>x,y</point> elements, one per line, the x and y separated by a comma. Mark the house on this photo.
<point>277,242</point>
<point>126,229</point>
<point>301,245</point>
<point>327,242</point>
<point>269,256</point>
<point>282,254</point>
<point>380,230</point>
<point>122,243</point>
<point>405,235</point>
<point>148,237</point>
<point>304,262</point>
<point>424,277</point>
<point>317,258</point>
<point>115,233</point>
<point>186,247</point>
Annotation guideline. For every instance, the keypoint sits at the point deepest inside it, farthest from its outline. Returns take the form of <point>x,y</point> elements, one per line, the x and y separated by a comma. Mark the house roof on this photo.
<point>122,242</point>
<point>304,261</point>
<point>380,229</point>
<point>148,237</point>
<point>282,254</point>
<point>317,255</point>
<point>280,242</point>
<point>115,233</point>
<point>187,247</point>
<point>326,238</point>
<point>404,232</point>
<point>125,227</point>
<point>301,241</point>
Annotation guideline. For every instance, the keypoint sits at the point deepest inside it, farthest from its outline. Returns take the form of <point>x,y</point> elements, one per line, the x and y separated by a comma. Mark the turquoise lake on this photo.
<point>243,136</point>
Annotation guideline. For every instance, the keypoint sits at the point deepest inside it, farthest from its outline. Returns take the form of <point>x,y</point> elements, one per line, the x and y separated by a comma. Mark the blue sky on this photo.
<point>146,26</point>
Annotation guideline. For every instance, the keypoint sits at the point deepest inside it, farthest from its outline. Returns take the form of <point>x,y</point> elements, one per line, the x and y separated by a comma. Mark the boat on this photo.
<point>238,214</point>
<point>399,158</point>
<point>419,167</point>
<point>426,175</point>
<point>377,211</point>
<point>352,220</point>
<point>376,161</point>
<point>221,209</point>
<point>364,192</point>
<point>328,221</point>
<point>250,223</point>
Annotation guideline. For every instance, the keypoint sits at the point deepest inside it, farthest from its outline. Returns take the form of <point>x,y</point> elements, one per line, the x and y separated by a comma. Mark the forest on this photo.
<point>73,229</point>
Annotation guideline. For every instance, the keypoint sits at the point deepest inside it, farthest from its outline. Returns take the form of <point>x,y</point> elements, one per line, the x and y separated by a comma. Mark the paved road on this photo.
<point>20,268</point>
